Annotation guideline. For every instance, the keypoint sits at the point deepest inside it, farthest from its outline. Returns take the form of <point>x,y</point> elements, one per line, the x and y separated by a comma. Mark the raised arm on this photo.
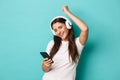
<point>83,27</point>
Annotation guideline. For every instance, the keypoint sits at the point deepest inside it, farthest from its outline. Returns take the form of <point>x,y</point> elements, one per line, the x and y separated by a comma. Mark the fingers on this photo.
<point>47,61</point>
<point>65,8</point>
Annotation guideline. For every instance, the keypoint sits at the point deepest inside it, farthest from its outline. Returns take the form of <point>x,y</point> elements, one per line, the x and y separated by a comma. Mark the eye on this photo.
<point>55,30</point>
<point>60,27</point>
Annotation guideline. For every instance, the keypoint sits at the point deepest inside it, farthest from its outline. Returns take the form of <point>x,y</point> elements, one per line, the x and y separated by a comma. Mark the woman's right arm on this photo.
<point>46,65</point>
<point>82,26</point>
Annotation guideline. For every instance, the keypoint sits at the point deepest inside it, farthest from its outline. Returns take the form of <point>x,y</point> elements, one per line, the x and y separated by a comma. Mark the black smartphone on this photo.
<point>45,55</point>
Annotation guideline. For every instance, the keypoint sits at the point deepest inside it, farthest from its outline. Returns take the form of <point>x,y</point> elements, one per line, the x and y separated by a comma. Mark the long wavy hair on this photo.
<point>73,53</point>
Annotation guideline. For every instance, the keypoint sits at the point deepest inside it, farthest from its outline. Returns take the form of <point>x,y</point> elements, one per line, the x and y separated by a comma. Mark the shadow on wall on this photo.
<point>91,45</point>
<point>82,65</point>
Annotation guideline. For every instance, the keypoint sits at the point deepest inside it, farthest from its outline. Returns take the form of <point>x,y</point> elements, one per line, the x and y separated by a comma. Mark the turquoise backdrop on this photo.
<point>24,32</point>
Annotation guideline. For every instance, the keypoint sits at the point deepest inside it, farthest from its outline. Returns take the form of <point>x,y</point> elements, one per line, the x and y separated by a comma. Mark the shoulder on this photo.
<point>51,43</point>
<point>49,46</point>
<point>78,44</point>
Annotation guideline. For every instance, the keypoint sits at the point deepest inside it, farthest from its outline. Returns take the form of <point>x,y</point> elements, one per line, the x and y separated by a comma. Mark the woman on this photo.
<point>65,49</point>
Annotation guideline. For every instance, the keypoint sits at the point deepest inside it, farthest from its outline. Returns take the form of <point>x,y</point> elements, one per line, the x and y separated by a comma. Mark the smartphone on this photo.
<point>45,55</point>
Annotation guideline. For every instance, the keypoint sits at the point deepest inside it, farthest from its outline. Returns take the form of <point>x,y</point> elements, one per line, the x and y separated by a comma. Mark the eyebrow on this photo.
<point>58,27</point>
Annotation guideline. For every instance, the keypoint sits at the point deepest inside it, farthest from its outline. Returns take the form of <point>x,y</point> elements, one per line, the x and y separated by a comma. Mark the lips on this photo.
<point>61,34</point>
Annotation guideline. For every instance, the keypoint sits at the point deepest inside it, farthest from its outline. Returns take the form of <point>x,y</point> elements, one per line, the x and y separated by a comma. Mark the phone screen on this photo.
<point>44,54</point>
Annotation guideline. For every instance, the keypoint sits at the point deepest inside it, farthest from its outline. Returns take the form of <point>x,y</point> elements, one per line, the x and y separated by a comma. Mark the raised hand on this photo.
<point>65,8</point>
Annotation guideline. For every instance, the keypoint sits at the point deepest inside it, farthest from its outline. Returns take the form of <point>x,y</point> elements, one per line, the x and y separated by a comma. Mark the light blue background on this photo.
<point>24,32</point>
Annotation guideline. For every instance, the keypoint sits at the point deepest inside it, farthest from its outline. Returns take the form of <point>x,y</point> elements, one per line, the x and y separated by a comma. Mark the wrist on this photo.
<point>67,12</point>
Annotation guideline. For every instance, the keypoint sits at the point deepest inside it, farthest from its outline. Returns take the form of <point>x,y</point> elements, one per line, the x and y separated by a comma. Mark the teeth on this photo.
<point>61,34</point>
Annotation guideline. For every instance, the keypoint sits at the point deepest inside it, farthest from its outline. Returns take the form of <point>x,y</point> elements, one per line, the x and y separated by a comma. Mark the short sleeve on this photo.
<point>49,46</point>
<point>79,45</point>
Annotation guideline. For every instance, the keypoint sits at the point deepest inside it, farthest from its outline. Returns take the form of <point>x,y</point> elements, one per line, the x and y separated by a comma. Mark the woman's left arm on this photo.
<point>83,27</point>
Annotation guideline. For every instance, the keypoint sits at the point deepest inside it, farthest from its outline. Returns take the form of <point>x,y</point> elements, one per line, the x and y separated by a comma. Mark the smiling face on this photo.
<point>61,30</point>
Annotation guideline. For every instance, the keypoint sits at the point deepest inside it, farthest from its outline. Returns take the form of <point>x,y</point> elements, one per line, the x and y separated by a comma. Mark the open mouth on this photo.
<point>61,34</point>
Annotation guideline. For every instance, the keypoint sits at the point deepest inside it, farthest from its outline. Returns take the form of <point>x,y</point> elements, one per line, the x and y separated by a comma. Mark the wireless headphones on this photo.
<point>67,23</point>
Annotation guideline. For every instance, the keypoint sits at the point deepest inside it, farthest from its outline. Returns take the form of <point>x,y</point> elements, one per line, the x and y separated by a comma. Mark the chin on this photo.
<point>64,39</point>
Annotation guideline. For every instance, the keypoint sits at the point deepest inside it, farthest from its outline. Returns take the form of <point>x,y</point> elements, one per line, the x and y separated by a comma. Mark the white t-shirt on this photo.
<point>62,68</point>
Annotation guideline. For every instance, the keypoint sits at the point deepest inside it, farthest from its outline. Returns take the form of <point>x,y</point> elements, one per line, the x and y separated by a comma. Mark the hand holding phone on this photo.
<point>45,55</point>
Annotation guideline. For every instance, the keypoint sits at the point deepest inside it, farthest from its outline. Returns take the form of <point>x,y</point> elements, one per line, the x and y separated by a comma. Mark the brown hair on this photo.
<point>73,53</point>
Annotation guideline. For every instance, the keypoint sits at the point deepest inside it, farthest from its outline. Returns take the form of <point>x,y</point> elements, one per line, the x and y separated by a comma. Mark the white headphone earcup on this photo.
<point>68,25</point>
<point>53,32</point>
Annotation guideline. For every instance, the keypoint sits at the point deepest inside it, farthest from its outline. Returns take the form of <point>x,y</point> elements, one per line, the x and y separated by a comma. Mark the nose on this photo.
<point>58,32</point>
